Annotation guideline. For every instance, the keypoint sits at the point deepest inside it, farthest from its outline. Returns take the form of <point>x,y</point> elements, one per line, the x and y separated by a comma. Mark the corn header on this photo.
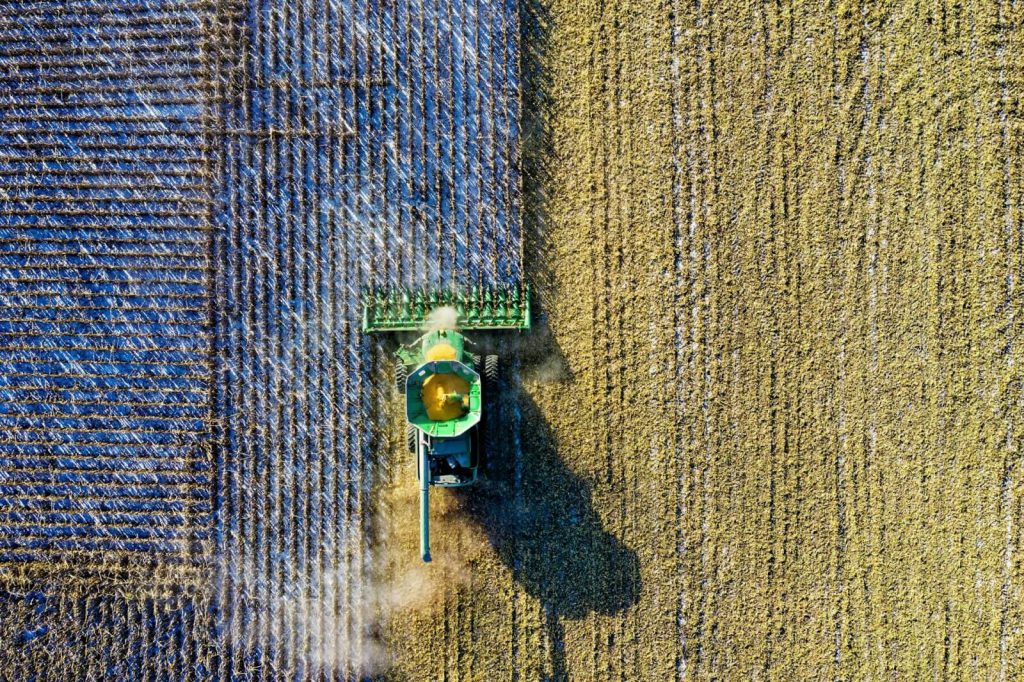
<point>443,382</point>
<point>475,308</point>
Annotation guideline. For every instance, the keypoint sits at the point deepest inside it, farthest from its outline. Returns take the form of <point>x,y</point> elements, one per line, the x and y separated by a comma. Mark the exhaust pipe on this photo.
<point>424,502</point>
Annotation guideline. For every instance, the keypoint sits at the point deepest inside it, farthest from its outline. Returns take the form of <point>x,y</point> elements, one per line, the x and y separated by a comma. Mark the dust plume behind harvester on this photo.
<point>443,381</point>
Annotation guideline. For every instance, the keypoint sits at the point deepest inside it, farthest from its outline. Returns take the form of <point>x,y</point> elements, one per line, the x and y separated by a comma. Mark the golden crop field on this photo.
<point>770,424</point>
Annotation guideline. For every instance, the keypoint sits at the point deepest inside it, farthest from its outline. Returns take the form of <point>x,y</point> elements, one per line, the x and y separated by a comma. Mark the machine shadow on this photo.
<point>539,518</point>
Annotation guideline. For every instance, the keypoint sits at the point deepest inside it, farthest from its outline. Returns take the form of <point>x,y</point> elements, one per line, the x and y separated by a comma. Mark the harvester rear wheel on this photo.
<point>410,437</point>
<point>491,368</point>
<point>401,374</point>
<point>476,362</point>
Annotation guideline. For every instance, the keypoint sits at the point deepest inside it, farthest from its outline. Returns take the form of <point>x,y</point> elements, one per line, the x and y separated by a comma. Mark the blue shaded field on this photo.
<point>104,288</point>
<point>192,197</point>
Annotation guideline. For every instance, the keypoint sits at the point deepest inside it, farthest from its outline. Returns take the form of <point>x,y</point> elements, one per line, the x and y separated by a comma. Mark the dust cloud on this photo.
<point>445,317</point>
<point>327,623</point>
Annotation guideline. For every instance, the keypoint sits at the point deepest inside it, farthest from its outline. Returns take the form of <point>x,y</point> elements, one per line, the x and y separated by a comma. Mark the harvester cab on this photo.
<point>443,382</point>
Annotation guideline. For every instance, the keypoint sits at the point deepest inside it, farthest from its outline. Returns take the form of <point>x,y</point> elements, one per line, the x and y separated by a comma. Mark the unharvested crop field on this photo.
<point>194,197</point>
<point>774,430</point>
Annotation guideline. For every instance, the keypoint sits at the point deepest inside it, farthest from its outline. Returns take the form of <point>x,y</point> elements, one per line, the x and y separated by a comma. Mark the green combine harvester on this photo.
<point>443,382</point>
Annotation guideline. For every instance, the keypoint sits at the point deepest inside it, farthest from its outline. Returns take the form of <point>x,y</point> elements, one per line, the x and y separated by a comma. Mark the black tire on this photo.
<point>476,362</point>
<point>489,372</point>
<point>401,374</point>
<point>476,445</point>
<point>491,369</point>
<point>410,437</point>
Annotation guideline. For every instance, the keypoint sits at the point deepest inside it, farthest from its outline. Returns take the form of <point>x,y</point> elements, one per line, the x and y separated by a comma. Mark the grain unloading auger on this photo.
<point>443,382</point>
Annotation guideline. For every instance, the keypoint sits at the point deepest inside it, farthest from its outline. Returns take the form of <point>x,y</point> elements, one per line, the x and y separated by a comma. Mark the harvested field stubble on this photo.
<point>779,251</point>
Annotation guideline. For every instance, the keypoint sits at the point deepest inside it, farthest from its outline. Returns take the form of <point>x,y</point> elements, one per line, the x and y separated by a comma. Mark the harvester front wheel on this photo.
<point>410,437</point>
<point>401,374</point>
<point>491,368</point>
